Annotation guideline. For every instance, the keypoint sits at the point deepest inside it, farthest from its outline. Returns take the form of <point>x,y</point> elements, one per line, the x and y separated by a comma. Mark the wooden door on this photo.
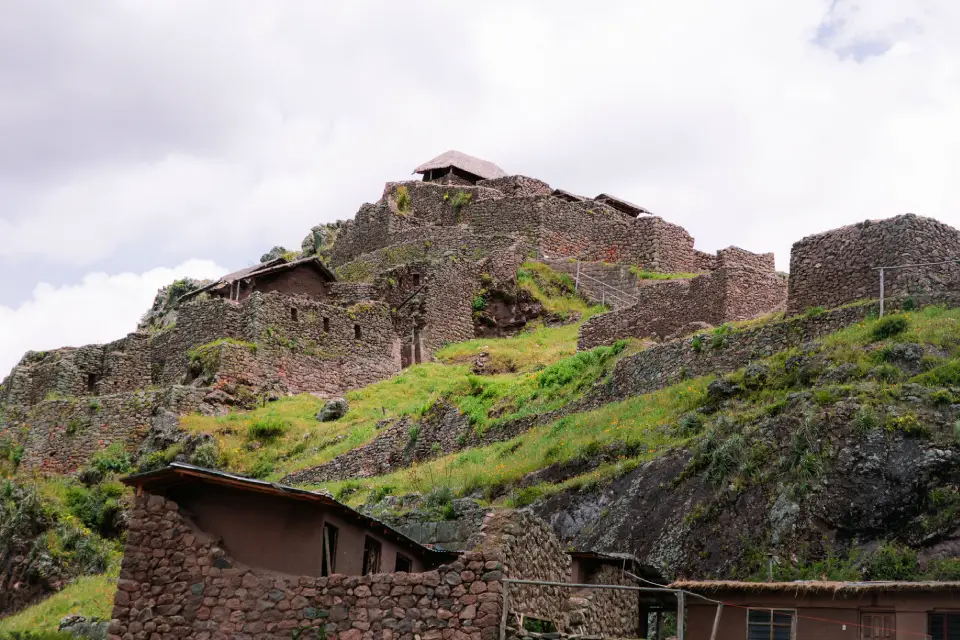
<point>878,626</point>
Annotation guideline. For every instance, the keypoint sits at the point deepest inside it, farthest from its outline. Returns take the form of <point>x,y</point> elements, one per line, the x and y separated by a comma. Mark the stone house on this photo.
<point>211,555</point>
<point>454,167</point>
<point>825,610</point>
<point>307,277</point>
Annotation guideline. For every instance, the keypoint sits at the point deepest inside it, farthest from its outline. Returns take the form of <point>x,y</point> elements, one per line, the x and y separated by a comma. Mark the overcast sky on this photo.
<point>141,140</point>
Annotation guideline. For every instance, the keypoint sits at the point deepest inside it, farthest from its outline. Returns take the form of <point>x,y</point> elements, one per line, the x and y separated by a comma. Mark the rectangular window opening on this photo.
<point>326,325</point>
<point>770,624</point>
<point>371,556</point>
<point>328,562</point>
<point>92,380</point>
<point>416,279</point>
<point>403,563</point>
<point>878,625</point>
<point>356,331</point>
<point>294,314</point>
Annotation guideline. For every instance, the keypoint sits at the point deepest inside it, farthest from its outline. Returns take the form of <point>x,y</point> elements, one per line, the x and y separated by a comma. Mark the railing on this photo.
<point>614,293</point>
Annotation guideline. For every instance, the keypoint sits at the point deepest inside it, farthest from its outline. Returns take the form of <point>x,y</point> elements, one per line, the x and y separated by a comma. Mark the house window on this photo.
<point>371,556</point>
<point>356,331</point>
<point>770,624</point>
<point>403,563</point>
<point>943,626</point>
<point>328,562</point>
<point>878,626</point>
<point>294,315</point>
<point>326,325</point>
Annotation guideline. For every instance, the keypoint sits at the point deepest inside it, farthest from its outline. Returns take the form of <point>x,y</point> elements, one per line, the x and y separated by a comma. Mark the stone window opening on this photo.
<point>404,564</point>
<point>326,325</point>
<point>416,279</point>
<point>92,380</point>
<point>328,561</point>
<point>294,314</point>
<point>356,332</point>
<point>371,556</point>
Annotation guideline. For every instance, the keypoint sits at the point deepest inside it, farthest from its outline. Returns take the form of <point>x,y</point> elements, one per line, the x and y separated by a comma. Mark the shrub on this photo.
<point>865,419</point>
<point>945,375</point>
<point>460,200</point>
<point>696,343</point>
<point>887,373</point>
<point>891,562</point>
<point>438,497</point>
<point>413,434</point>
<point>266,428</point>
<point>479,303</point>
<point>719,337</point>
<point>403,199</point>
<point>888,327</point>
<point>262,468</point>
<point>113,459</point>
<point>205,455</point>
<point>97,507</point>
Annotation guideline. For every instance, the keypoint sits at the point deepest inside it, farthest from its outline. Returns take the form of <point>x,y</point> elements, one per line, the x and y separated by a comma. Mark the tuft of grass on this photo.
<point>643,274</point>
<point>268,428</point>
<point>888,327</point>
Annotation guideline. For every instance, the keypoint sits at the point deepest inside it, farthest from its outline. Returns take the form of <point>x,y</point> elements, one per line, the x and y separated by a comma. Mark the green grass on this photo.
<point>643,274</point>
<point>554,290</point>
<point>640,423</point>
<point>91,596</point>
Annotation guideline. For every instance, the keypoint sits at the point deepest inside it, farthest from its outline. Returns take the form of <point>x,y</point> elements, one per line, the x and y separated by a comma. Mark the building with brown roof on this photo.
<point>454,167</point>
<point>824,610</point>
<point>307,276</point>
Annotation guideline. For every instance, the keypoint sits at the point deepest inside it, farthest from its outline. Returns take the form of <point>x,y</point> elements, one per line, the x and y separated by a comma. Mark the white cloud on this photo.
<point>223,127</point>
<point>101,308</point>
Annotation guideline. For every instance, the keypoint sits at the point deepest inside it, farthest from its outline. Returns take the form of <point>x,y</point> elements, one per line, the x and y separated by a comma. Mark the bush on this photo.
<point>865,419</point>
<point>438,498</point>
<point>403,199</point>
<point>113,459</point>
<point>479,303</point>
<point>945,375</point>
<point>205,455</point>
<point>262,468</point>
<point>891,562</point>
<point>267,428</point>
<point>888,327</point>
<point>97,507</point>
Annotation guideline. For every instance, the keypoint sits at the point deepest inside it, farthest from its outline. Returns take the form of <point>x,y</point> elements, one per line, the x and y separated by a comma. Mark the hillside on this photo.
<point>837,457</point>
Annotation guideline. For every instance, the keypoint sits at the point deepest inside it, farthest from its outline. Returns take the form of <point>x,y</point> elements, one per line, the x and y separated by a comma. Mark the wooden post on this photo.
<point>716,622</point>
<point>681,614</point>
<point>658,625</point>
<point>576,283</point>
<point>506,607</point>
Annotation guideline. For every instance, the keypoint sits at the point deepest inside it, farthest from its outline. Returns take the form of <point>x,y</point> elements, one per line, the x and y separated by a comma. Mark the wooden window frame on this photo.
<point>942,612</point>
<point>878,612</point>
<point>371,567</point>
<point>331,534</point>
<point>793,620</point>
<point>396,563</point>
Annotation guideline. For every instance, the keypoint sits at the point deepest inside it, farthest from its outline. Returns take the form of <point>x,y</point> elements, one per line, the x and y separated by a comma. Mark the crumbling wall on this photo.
<point>518,186</point>
<point>63,435</point>
<point>744,285</point>
<point>836,267</point>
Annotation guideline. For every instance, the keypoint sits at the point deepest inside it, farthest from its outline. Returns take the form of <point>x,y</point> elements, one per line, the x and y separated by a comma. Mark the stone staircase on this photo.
<point>611,284</point>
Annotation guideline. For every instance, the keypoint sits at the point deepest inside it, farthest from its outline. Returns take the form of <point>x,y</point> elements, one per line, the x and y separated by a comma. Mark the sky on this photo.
<point>145,140</point>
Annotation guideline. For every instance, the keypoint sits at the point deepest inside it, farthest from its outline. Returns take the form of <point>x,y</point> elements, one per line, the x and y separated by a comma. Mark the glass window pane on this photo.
<point>759,616</point>
<point>783,617</point>
<point>758,632</point>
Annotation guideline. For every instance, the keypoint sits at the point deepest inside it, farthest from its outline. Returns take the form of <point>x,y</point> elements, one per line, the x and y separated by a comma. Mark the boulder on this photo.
<point>333,410</point>
<point>273,254</point>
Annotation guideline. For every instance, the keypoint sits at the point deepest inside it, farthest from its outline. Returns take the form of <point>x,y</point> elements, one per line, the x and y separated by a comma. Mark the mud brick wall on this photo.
<point>63,435</point>
<point>743,286</point>
<point>836,267</point>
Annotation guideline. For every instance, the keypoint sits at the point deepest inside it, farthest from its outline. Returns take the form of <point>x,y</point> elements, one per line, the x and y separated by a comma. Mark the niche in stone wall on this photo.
<point>326,325</point>
<point>356,332</point>
<point>92,380</point>
<point>416,279</point>
<point>294,314</point>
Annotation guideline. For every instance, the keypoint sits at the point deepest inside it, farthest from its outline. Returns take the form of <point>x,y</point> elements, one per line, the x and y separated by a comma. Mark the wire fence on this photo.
<point>883,270</point>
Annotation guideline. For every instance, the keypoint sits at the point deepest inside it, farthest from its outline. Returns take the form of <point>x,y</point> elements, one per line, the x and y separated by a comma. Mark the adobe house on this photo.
<point>824,610</point>
<point>454,167</point>
<point>307,276</point>
<point>279,528</point>
<point>621,205</point>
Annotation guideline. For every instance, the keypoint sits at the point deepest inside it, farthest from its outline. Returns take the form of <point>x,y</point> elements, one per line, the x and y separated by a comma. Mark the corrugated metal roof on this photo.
<point>483,168</point>
<point>811,586</point>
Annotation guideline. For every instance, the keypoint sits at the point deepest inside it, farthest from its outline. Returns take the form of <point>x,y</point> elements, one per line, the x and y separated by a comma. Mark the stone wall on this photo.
<point>665,364</point>
<point>177,582</point>
<point>836,267</point>
<point>744,285</point>
<point>518,186</point>
<point>61,436</point>
<point>612,613</point>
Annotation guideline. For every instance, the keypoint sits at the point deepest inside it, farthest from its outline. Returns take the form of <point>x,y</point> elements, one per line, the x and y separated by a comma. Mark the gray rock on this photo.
<point>273,254</point>
<point>333,410</point>
<point>316,240</point>
<point>81,627</point>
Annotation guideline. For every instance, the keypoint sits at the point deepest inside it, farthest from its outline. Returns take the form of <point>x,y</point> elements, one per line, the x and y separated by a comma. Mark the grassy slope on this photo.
<point>91,596</point>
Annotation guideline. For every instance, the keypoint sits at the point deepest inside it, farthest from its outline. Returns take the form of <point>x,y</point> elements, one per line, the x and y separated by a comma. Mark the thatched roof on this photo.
<point>621,205</point>
<point>265,268</point>
<point>806,587</point>
<point>475,166</point>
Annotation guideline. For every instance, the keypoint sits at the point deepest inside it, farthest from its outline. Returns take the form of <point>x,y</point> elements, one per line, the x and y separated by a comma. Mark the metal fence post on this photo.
<point>681,614</point>
<point>881,292</point>
<point>506,606</point>
<point>576,283</point>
